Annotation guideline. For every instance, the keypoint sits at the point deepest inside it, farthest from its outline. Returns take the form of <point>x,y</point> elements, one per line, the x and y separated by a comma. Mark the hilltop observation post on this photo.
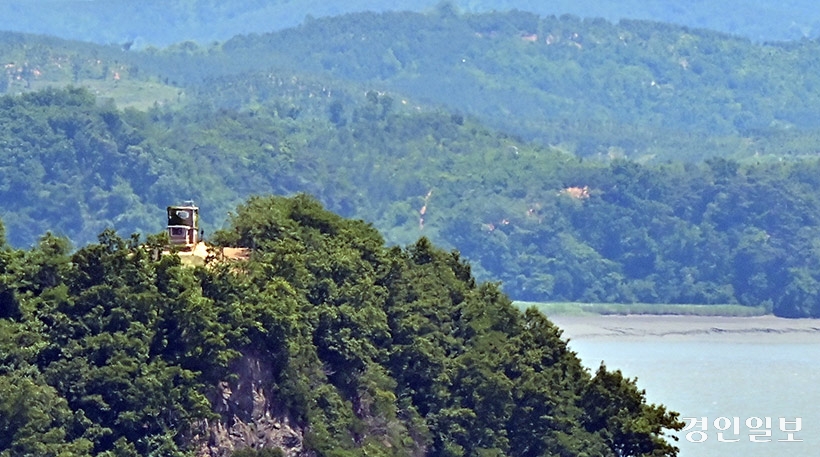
<point>183,225</point>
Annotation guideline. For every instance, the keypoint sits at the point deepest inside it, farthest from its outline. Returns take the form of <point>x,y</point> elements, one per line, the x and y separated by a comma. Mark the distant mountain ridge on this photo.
<point>648,89</point>
<point>161,23</point>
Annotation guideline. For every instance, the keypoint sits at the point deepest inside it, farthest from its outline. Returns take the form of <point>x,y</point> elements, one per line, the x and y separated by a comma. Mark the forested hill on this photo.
<point>325,343</point>
<point>636,88</point>
<point>582,212</point>
<point>644,90</point>
<point>160,23</point>
<point>549,225</point>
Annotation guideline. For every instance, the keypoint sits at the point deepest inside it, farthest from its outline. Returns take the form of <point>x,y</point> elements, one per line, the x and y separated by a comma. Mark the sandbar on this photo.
<point>689,328</point>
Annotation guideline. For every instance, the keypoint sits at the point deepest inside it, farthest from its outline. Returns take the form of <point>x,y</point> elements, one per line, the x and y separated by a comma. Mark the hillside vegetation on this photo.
<point>665,165</point>
<point>636,89</point>
<point>161,23</point>
<point>366,350</point>
<point>552,227</point>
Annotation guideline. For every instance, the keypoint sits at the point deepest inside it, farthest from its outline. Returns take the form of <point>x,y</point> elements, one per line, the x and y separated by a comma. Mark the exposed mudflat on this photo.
<point>692,328</point>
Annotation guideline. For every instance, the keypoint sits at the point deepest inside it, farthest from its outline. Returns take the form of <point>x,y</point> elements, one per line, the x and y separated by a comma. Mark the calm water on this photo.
<point>723,379</point>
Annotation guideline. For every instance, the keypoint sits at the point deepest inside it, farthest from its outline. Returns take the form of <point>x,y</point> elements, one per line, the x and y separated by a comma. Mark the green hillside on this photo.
<point>639,89</point>
<point>549,225</point>
<point>326,342</point>
<point>699,189</point>
<point>161,23</point>
<point>636,89</point>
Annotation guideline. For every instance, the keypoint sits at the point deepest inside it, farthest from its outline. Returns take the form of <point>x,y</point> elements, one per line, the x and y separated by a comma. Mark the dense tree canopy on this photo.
<point>610,201</point>
<point>549,225</point>
<point>641,89</point>
<point>110,351</point>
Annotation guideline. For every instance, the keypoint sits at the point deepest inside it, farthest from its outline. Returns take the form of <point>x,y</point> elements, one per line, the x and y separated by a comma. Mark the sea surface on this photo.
<point>761,375</point>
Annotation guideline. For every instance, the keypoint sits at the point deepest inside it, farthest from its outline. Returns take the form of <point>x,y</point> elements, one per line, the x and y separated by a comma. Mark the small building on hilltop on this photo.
<point>183,225</point>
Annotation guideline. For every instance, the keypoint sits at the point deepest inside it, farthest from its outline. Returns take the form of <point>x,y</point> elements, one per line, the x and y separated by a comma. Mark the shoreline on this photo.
<point>758,329</point>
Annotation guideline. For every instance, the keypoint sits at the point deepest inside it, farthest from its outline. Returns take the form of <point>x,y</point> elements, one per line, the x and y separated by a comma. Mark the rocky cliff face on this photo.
<point>249,416</point>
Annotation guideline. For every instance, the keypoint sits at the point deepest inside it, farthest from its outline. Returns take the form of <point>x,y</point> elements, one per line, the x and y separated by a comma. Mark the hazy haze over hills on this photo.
<point>160,23</point>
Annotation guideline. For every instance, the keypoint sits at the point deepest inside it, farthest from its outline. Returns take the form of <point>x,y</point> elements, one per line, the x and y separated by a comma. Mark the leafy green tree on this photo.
<point>617,410</point>
<point>36,420</point>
